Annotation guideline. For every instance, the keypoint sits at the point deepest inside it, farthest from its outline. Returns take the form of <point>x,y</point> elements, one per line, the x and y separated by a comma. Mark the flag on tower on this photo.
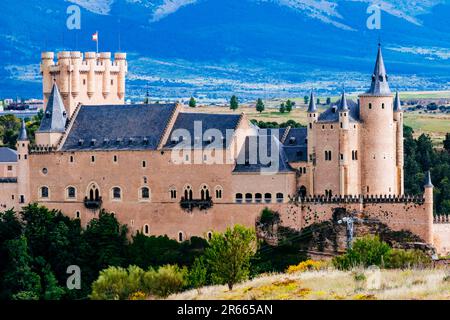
<point>95,38</point>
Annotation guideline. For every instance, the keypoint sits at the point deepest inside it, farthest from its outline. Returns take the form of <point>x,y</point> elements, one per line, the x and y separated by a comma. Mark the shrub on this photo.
<point>167,280</point>
<point>229,255</point>
<point>402,259</point>
<point>198,274</point>
<point>366,251</point>
<point>307,265</point>
<point>116,283</point>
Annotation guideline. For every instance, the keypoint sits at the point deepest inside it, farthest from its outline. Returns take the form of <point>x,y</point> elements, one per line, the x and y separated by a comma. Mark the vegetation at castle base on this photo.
<point>371,251</point>
<point>229,255</point>
<point>420,156</point>
<point>10,127</point>
<point>308,265</point>
<point>38,244</point>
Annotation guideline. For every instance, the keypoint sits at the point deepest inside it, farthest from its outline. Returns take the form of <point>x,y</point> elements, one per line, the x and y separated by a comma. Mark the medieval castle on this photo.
<point>165,170</point>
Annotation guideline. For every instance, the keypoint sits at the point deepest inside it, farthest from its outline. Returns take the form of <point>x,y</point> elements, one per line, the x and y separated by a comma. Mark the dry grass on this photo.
<point>333,285</point>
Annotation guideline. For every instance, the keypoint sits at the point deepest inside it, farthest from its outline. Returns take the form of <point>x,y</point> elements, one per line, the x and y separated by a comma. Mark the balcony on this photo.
<point>93,203</point>
<point>190,204</point>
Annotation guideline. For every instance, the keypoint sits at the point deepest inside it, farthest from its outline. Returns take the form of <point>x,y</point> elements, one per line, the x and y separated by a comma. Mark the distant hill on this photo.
<point>210,48</point>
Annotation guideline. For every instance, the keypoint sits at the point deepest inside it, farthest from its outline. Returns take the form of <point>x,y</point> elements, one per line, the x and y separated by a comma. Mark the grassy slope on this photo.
<point>318,285</point>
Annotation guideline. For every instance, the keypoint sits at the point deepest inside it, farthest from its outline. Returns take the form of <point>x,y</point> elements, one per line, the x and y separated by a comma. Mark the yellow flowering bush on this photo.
<point>307,265</point>
<point>138,295</point>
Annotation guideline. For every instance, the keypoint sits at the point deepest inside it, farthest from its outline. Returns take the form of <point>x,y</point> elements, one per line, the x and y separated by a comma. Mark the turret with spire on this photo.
<point>312,103</point>
<point>23,132</point>
<point>23,170</point>
<point>397,103</point>
<point>312,119</point>
<point>379,85</point>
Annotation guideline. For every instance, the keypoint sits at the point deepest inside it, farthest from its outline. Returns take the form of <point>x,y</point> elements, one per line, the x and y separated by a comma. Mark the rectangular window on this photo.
<point>144,164</point>
<point>92,158</point>
<point>9,168</point>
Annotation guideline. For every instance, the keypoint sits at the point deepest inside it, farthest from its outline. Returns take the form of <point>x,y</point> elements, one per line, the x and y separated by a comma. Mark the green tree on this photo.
<point>306,99</point>
<point>9,130</point>
<point>282,107</point>
<point>318,101</point>
<point>447,142</point>
<point>19,281</point>
<point>198,273</point>
<point>259,105</point>
<point>192,102</point>
<point>116,283</point>
<point>234,103</point>
<point>229,254</point>
<point>289,105</point>
<point>167,280</point>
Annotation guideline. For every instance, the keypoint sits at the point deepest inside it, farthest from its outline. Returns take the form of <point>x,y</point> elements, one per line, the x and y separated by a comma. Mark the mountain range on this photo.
<point>253,48</point>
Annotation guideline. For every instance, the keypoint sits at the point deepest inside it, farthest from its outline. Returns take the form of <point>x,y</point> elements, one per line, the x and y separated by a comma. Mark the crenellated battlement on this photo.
<point>418,199</point>
<point>90,78</point>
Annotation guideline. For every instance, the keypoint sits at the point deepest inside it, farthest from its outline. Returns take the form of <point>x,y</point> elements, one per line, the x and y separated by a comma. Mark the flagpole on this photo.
<point>97,40</point>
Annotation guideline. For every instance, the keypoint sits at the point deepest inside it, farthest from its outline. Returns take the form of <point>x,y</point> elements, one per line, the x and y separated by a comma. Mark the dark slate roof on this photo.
<point>251,161</point>
<point>118,127</point>
<point>379,85</point>
<point>296,145</point>
<point>8,155</point>
<point>343,106</point>
<point>428,183</point>
<point>332,113</point>
<point>203,121</point>
<point>397,103</point>
<point>23,132</point>
<point>312,103</point>
<point>55,116</point>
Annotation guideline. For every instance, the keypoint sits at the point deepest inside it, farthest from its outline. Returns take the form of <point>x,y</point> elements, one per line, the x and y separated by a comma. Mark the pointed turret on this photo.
<point>23,132</point>
<point>379,84</point>
<point>397,103</point>
<point>343,103</point>
<point>55,115</point>
<point>428,183</point>
<point>312,103</point>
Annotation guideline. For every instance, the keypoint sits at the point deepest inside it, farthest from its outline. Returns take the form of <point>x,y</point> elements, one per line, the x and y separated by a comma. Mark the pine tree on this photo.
<point>282,108</point>
<point>234,103</point>
<point>192,102</point>
<point>289,105</point>
<point>259,105</point>
<point>306,99</point>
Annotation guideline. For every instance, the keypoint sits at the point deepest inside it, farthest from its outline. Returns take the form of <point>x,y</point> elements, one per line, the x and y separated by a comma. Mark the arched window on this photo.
<point>145,193</point>
<point>258,197</point>
<point>146,229</point>
<point>93,192</point>
<point>327,155</point>
<point>204,192</point>
<point>382,106</point>
<point>356,154</point>
<point>116,193</point>
<point>173,193</point>
<point>267,197</point>
<point>370,106</point>
<point>238,197</point>
<point>302,191</point>
<point>280,197</point>
<point>180,236</point>
<point>219,192</point>
<point>248,197</point>
<point>144,180</point>
<point>209,235</point>
<point>188,194</point>
<point>44,192</point>
<point>71,193</point>
<point>77,215</point>
<point>328,193</point>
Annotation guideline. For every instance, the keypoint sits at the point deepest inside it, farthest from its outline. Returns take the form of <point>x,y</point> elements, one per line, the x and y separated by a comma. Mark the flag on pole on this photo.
<point>95,38</point>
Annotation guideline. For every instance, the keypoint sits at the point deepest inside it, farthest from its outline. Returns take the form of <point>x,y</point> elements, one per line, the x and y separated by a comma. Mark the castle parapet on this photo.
<point>418,199</point>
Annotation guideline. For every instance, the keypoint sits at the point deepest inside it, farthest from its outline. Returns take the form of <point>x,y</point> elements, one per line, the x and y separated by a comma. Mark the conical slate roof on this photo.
<point>343,103</point>
<point>379,85</point>
<point>312,103</point>
<point>55,116</point>
<point>23,132</point>
<point>428,183</point>
<point>397,103</point>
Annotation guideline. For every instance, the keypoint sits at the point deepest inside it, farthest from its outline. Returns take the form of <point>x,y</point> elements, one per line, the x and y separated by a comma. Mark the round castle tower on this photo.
<point>379,135</point>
